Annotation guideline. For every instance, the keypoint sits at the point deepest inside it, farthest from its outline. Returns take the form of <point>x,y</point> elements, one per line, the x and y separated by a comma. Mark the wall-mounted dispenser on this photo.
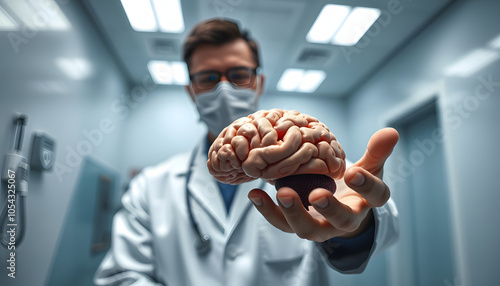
<point>42,152</point>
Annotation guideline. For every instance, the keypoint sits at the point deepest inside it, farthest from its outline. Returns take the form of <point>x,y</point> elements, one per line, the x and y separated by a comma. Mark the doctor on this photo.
<point>179,226</point>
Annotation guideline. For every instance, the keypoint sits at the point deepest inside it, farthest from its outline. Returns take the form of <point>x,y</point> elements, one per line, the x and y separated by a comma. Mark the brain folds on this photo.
<point>272,144</point>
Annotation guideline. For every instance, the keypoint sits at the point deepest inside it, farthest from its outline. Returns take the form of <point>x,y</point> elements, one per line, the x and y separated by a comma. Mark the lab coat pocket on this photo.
<point>282,252</point>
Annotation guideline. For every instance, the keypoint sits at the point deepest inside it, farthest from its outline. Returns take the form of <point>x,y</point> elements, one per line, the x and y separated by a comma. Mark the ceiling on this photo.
<point>280,27</point>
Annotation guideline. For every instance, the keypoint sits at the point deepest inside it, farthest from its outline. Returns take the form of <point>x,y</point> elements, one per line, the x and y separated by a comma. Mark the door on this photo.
<point>427,196</point>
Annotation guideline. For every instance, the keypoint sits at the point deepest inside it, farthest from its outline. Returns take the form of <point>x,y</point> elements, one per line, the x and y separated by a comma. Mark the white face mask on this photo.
<point>224,104</point>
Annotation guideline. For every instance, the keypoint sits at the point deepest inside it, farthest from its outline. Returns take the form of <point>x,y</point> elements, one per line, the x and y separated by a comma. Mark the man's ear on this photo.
<point>189,90</point>
<point>260,88</point>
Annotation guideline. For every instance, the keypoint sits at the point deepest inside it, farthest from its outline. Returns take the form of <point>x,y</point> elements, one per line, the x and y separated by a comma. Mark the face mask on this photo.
<point>224,104</point>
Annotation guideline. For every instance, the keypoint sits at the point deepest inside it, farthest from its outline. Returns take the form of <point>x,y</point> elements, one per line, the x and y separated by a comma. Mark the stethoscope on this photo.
<point>203,243</point>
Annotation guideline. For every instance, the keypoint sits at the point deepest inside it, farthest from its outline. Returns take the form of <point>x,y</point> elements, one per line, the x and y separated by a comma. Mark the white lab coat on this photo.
<point>153,242</point>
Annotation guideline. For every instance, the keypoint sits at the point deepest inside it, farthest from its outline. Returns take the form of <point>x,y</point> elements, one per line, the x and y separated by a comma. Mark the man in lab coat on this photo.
<point>274,242</point>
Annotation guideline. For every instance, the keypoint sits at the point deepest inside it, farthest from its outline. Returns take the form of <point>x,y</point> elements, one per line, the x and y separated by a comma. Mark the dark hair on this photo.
<point>217,32</point>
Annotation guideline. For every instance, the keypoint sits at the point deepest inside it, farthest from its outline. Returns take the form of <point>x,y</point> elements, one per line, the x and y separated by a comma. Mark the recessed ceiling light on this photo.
<point>355,26</point>
<point>180,73</point>
<point>164,72</point>
<point>329,20</point>
<point>161,72</point>
<point>153,15</point>
<point>471,63</point>
<point>290,79</point>
<point>342,25</point>
<point>311,80</point>
<point>24,12</point>
<point>140,15</point>
<point>49,12</point>
<point>39,15</point>
<point>169,14</point>
<point>6,22</point>
<point>75,68</point>
<point>300,80</point>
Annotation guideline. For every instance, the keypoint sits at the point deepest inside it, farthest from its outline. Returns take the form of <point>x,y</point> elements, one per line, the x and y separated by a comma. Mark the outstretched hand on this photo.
<point>343,214</point>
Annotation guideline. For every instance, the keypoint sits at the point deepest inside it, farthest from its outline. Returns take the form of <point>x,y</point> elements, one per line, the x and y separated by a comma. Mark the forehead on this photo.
<point>220,58</point>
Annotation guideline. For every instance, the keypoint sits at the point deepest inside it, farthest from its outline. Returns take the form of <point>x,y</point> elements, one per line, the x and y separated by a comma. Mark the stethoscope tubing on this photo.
<point>203,244</point>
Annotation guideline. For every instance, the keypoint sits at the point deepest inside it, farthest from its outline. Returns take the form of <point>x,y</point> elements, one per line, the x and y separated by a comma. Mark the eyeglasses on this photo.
<point>239,76</point>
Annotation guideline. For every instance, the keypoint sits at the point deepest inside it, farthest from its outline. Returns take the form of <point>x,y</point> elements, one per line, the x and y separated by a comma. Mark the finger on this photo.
<point>299,219</point>
<point>271,212</point>
<point>346,217</point>
<point>378,150</point>
<point>371,187</point>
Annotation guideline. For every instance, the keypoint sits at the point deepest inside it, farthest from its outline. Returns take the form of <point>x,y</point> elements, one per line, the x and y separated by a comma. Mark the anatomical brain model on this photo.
<point>285,148</point>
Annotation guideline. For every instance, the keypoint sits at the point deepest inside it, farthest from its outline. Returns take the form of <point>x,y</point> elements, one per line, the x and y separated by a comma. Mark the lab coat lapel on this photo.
<point>241,205</point>
<point>204,189</point>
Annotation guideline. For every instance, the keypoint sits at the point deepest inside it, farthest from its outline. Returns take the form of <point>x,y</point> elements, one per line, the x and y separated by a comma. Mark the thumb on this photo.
<point>378,150</point>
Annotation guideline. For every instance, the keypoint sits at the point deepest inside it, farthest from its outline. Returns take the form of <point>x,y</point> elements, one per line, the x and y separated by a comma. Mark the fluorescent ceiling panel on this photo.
<point>300,80</point>
<point>471,63</point>
<point>290,79</point>
<point>355,26</point>
<point>24,12</point>
<point>180,73</point>
<point>6,22</point>
<point>168,73</point>
<point>329,20</point>
<point>140,15</point>
<point>48,9</point>
<point>75,68</point>
<point>161,72</point>
<point>153,15</point>
<point>169,13</point>
<point>39,15</point>
<point>311,80</point>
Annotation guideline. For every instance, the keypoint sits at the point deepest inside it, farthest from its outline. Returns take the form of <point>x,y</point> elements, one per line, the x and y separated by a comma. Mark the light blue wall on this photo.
<point>31,83</point>
<point>471,132</point>
<point>162,124</point>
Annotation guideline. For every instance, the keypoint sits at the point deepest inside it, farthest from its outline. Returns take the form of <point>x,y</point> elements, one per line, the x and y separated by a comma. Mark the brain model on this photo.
<point>285,148</point>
